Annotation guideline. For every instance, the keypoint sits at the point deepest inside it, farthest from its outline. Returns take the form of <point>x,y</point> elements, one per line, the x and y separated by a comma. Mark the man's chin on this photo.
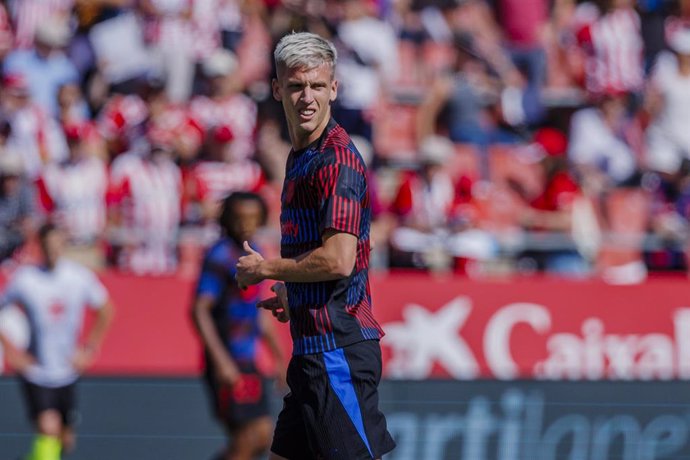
<point>308,126</point>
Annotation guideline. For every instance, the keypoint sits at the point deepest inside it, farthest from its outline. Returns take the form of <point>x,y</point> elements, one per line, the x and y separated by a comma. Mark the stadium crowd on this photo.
<point>502,136</point>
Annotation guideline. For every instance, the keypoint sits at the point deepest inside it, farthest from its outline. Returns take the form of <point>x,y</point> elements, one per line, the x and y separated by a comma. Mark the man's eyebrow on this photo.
<point>307,83</point>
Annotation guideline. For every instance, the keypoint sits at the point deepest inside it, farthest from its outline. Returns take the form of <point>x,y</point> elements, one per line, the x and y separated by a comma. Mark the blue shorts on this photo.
<point>332,410</point>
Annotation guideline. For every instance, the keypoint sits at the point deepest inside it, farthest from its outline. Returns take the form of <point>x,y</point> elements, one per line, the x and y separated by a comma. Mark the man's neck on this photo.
<point>299,142</point>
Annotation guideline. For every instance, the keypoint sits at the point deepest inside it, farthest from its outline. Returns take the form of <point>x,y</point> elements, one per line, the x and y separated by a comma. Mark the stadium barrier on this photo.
<point>520,369</point>
<point>164,418</point>
<point>447,327</point>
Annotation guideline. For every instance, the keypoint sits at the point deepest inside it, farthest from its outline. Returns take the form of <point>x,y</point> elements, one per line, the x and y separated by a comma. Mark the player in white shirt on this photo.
<point>54,296</point>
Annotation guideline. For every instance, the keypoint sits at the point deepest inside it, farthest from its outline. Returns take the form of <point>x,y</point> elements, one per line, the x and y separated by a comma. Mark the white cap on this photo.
<point>220,63</point>
<point>54,32</point>
<point>436,150</point>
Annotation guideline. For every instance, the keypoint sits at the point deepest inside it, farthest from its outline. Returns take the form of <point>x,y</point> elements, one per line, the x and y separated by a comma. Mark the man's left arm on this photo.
<point>87,352</point>
<point>96,296</point>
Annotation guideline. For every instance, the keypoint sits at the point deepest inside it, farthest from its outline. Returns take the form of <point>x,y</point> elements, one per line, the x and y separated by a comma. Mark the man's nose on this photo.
<point>307,94</point>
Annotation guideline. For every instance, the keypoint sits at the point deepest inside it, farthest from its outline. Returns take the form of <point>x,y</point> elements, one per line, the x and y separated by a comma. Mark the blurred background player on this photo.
<point>230,325</point>
<point>53,296</point>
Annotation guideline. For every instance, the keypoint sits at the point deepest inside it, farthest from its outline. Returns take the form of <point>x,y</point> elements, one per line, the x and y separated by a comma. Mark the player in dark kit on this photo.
<point>332,411</point>
<point>230,326</point>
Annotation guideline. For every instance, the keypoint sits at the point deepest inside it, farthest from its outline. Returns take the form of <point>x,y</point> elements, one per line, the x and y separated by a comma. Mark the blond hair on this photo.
<point>306,50</point>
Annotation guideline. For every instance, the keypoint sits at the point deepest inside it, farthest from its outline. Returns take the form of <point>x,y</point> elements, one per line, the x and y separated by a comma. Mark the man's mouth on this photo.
<point>306,114</point>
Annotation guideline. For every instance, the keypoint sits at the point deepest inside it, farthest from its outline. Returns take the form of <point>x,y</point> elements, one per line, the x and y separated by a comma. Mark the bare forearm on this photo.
<point>100,327</point>
<point>209,335</point>
<point>313,266</point>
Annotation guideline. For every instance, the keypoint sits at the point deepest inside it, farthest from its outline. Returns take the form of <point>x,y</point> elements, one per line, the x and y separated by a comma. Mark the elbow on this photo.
<point>343,267</point>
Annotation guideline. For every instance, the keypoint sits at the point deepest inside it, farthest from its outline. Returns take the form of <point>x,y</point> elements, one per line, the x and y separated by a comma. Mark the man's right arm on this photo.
<point>18,359</point>
<point>226,368</point>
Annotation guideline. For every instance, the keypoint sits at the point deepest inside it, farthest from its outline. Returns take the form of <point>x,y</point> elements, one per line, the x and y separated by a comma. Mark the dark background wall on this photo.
<point>168,419</point>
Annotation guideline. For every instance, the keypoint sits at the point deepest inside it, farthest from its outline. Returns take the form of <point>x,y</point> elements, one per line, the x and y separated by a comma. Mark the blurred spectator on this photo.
<point>382,222</point>
<point>6,36</point>
<point>614,46</point>
<point>475,20</point>
<point>653,14</point>
<point>471,100</point>
<point>551,208</point>
<point>431,232</point>
<point>226,105</point>
<point>479,67</point>
<point>74,194</point>
<point>670,218</point>
<point>145,197</point>
<point>34,134</point>
<point>668,146</point>
<point>17,204</point>
<point>668,103</point>
<point>363,70</point>
<point>72,107</point>
<point>170,31</point>
<point>45,66</point>
<point>29,15</point>
<point>406,21</point>
<point>122,120</point>
<point>524,23</point>
<point>218,174</point>
<point>565,59</point>
<point>603,142</point>
<point>171,123</point>
<point>231,24</point>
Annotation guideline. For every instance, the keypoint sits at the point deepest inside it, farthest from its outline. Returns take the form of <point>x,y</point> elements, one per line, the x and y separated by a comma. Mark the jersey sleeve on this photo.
<point>213,277</point>
<point>95,292</point>
<point>341,185</point>
<point>12,293</point>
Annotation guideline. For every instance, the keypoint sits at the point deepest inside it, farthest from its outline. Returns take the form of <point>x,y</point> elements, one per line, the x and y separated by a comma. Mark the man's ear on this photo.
<point>277,91</point>
<point>334,90</point>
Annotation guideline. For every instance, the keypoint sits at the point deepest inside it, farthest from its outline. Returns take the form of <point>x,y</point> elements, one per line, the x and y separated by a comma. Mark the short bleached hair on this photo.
<point>304,50</point>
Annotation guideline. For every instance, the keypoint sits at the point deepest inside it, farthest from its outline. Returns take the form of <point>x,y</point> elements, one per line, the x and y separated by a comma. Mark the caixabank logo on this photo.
<point>529,340</point>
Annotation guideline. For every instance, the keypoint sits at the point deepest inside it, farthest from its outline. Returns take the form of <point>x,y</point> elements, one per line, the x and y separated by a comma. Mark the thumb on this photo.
<point>248,248</point>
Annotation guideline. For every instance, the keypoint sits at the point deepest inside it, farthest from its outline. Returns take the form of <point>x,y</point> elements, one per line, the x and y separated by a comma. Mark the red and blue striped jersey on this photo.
<point>326,188</point>
<point>234,310</point>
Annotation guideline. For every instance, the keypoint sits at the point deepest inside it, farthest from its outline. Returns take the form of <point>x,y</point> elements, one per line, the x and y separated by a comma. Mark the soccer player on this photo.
<point>230,325</point>
<point>54,295</point>
<point>332,409</point>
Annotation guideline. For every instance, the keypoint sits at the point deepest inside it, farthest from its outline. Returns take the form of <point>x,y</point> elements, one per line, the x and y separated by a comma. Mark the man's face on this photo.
<point>53,246</point>
<point>248,216</point>
<point>306,95</point>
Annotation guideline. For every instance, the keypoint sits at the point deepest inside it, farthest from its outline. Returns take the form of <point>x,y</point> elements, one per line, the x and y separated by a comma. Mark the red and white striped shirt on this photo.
<point>615,47</point>
<point>148,193</point>
<point>149,190</point>
<point>238,112</point>
<point>6,35</point>
<point>75,194</point>
<point>206,22</point>
<point>37,137</point>
<point>170,27</point>
<point>217,179</point>
<point>28,14</point>
<point>119,117</point>
<point>174,126</point>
